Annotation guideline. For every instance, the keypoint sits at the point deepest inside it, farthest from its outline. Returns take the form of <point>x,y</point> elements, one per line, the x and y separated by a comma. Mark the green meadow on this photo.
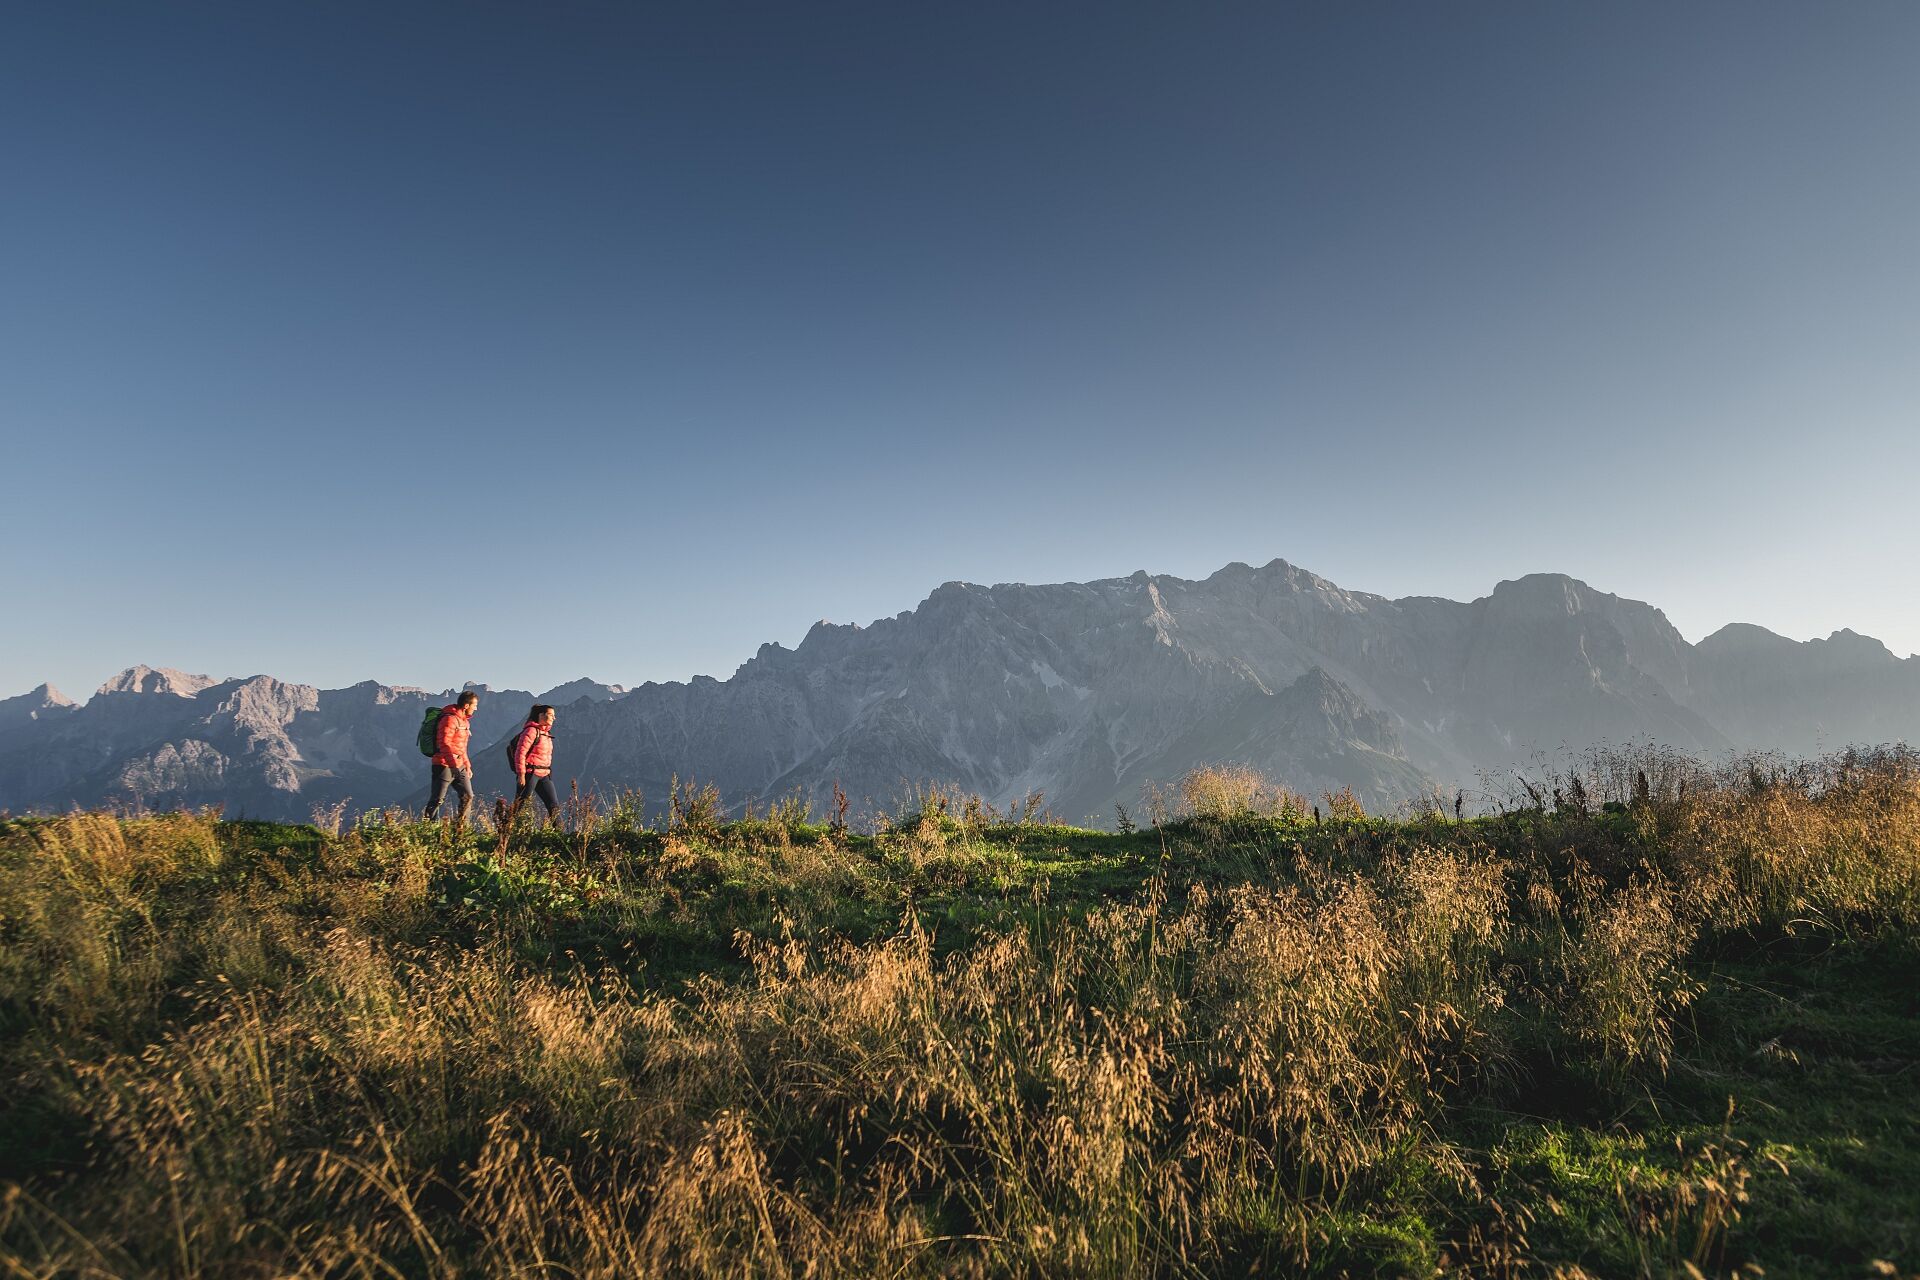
<point>1658,1019</point>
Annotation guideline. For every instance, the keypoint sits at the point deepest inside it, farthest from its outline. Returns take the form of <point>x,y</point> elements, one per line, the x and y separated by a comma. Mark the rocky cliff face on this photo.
<point>260,747</point>
<point>1088,690</point>
<point>1082,690</point>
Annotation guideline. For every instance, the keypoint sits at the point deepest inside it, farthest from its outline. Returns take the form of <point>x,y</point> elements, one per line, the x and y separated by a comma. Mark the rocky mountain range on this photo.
<point>1084,691</point>
<point>160,738</point>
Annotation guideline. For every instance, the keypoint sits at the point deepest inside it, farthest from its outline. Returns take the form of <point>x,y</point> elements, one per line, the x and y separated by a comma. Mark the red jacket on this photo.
<point>533,750</point>
<point>451,735</point>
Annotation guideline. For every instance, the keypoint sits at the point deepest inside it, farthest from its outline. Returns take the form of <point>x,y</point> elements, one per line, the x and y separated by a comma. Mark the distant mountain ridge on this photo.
<point>1084,691</point>
<point>161,738</point>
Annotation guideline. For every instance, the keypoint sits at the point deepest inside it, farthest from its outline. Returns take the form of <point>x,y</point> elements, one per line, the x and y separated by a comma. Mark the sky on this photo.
<point>513,342</point>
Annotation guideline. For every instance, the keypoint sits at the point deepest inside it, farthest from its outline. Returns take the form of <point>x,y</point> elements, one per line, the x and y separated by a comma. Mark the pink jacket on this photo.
<point>533,750</point>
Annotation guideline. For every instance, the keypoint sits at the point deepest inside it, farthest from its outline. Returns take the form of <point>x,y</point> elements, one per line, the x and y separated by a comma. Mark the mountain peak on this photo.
<point>1317,691</point>
<point>145,679</point>
<point>1744,637</point>
<point>1545,591</point>
<point>1319,708</point>
<point>950,593</point>
<point>1852,644</point>
<point>824,635</point>
<point>47,696</point>
<point>572,691</point>
<point>36,705</point>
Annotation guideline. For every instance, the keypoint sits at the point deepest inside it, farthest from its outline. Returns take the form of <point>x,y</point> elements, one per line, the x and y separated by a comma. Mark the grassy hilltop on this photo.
<point>1660,1021</point>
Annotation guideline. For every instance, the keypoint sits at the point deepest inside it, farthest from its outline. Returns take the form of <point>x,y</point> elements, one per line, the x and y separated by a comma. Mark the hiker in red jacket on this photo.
<point>451,767</point>
<point>533,760</point>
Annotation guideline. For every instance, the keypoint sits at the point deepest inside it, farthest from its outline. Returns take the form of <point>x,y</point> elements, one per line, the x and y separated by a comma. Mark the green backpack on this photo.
<point>429,739</point>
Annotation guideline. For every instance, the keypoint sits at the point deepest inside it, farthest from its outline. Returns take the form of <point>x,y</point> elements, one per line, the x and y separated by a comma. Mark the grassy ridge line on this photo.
<point>1242,1039</point>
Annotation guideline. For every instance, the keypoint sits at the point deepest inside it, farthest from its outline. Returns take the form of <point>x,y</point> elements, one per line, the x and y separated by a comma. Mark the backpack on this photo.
<point>429,738</point>
<point>512,744</point>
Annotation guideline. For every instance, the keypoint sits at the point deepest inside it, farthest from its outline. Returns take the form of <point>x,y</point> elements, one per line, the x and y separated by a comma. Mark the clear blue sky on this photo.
<point>513,342</point>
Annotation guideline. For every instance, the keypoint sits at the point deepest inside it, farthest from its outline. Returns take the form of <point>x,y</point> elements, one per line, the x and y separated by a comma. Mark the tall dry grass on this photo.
<point>1223,792</point>
<point>226,1062</point>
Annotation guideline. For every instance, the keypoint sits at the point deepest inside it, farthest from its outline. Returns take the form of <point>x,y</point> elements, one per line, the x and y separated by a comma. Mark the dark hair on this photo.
<point>539,711</point>
<point>469,699</point>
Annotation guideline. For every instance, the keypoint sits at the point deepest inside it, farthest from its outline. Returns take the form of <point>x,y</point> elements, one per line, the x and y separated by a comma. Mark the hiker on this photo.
<point>451,766</point>
<point>532,759</point>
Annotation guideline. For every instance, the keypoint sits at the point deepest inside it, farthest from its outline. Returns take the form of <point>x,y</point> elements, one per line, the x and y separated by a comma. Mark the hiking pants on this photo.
<point>461,780</point>
<point>542,787</point>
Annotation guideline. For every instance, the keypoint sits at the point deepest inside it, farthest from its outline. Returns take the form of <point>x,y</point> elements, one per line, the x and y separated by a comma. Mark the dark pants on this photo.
<point>542,787</point>
<point>461,780</point>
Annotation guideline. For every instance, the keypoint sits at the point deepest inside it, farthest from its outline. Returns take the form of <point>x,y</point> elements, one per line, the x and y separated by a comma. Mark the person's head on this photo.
<point>541,714</point>
<point>468,701</point>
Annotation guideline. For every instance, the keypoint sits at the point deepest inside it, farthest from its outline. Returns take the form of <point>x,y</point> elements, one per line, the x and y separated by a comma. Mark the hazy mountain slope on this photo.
<point>32,709</point>
<point>1316,734</point>
<point>1551,663</point>
<point>259,746</point>
<point>1082,690</point>
<point>1771,693</point>
<point>1087,690</point>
